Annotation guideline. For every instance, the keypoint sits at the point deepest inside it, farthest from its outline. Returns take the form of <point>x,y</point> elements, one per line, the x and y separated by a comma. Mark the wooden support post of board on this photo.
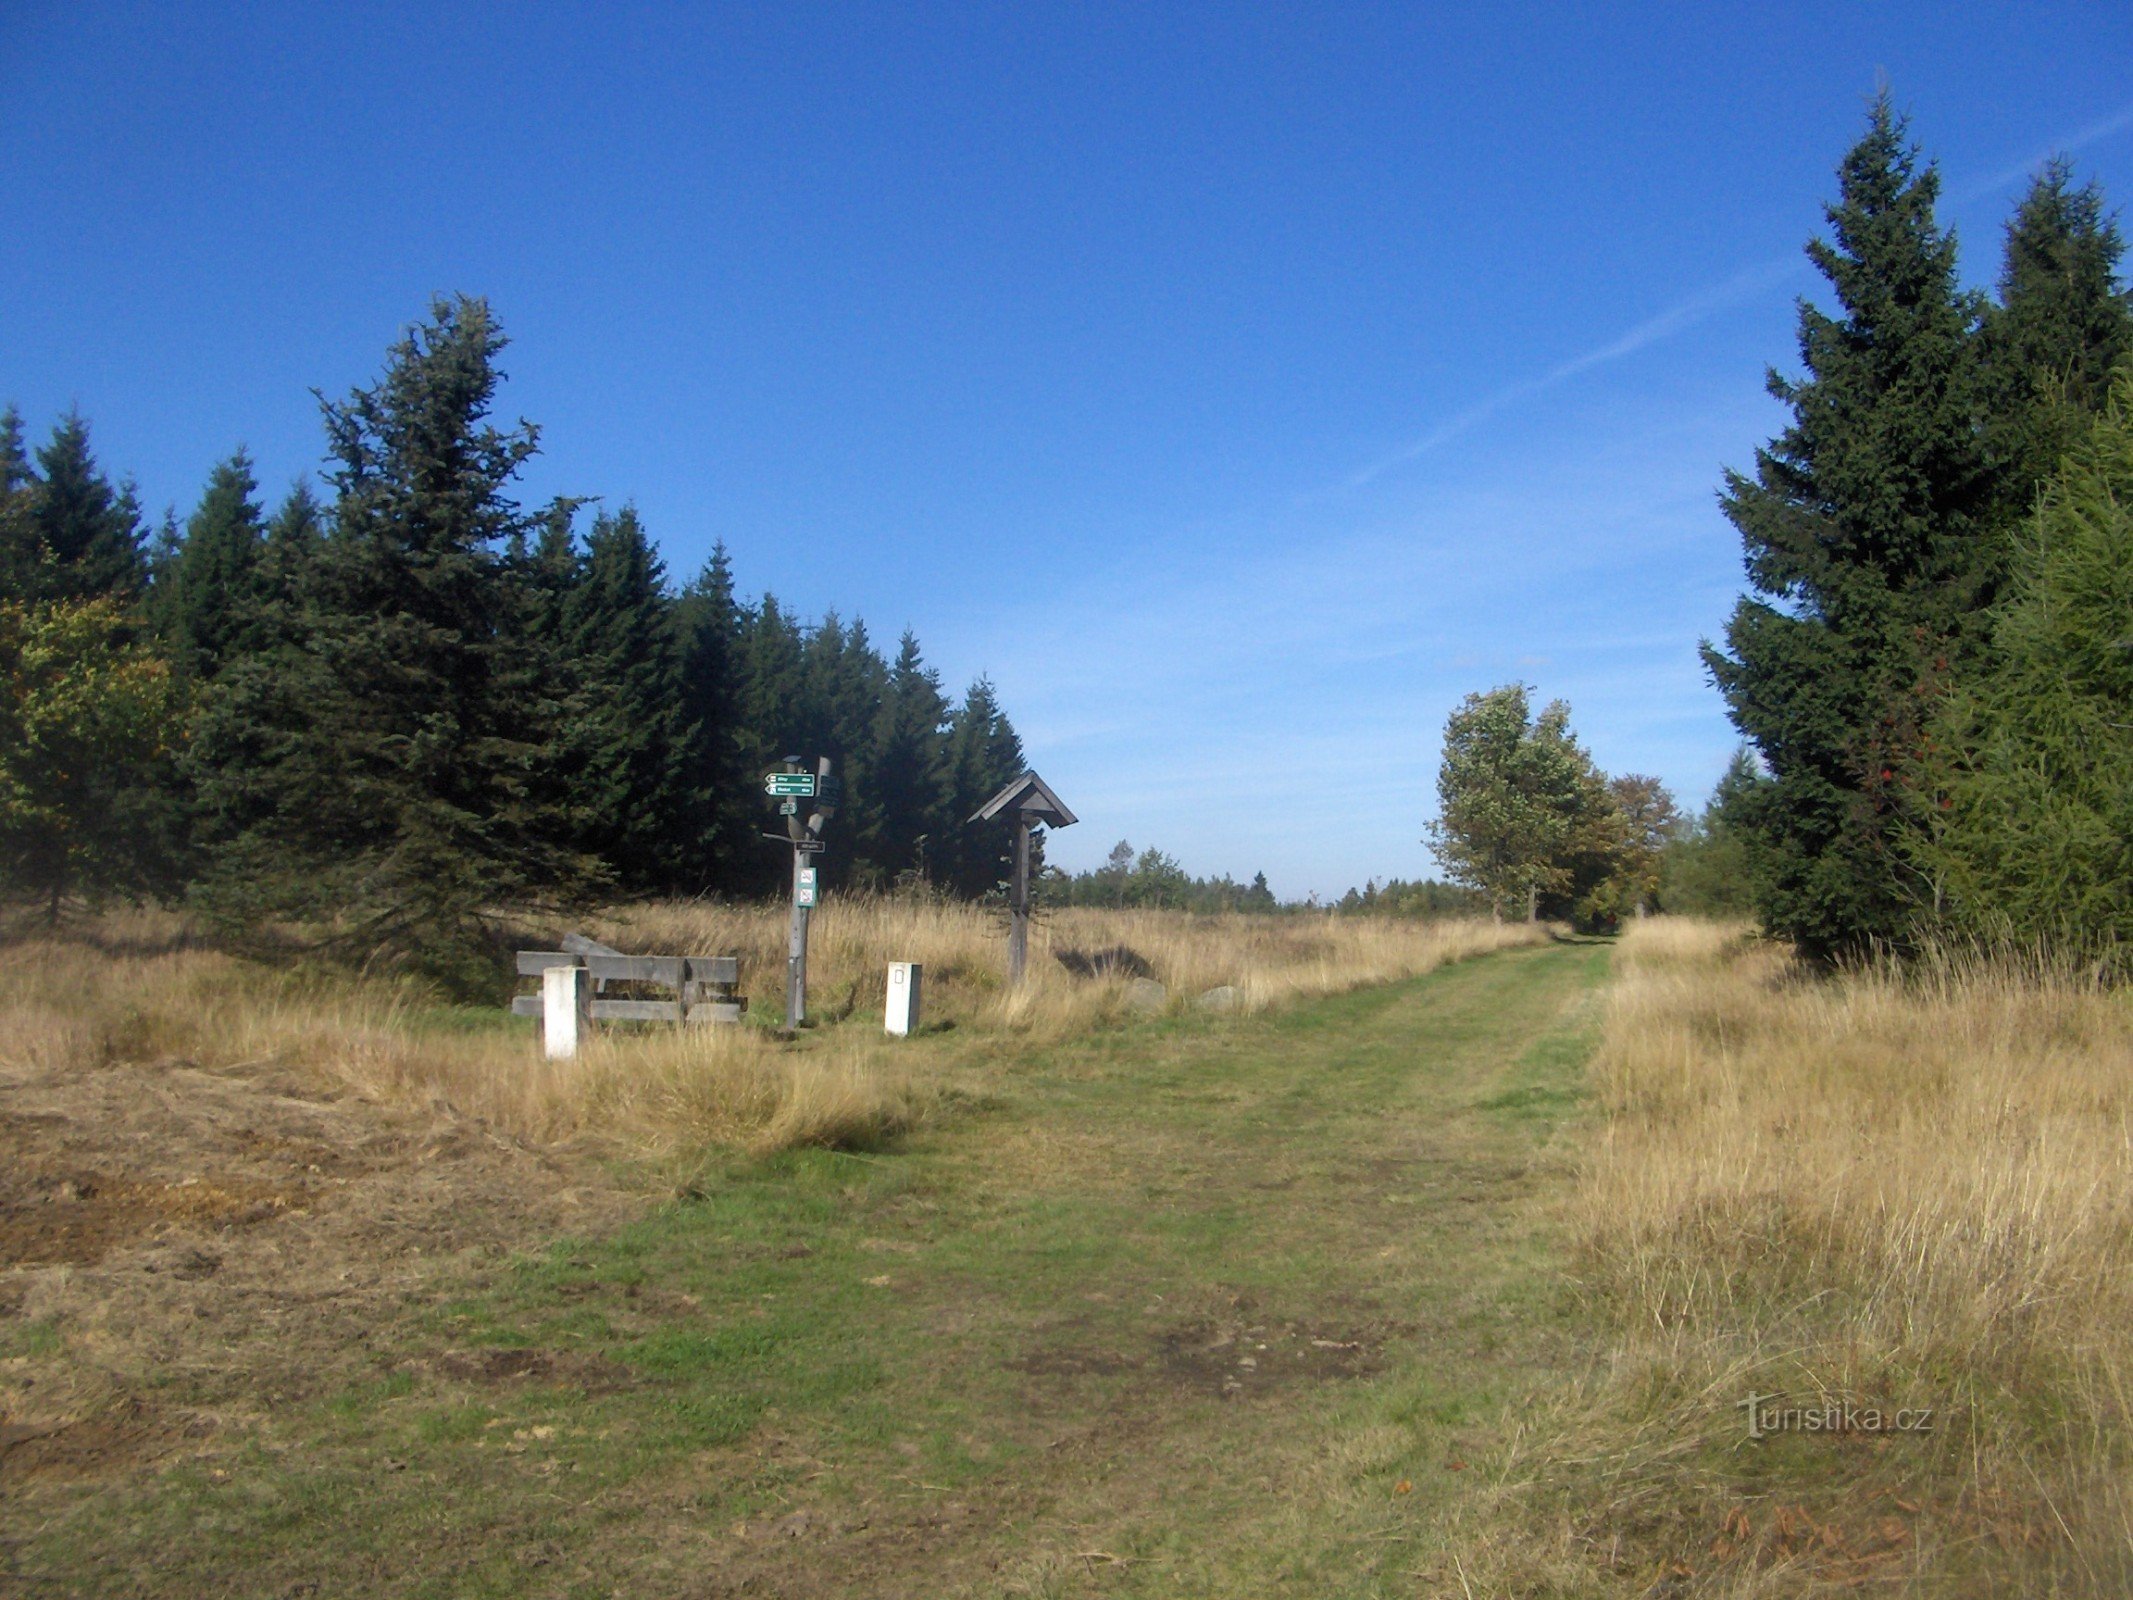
<point>566,1007</point>
<point>1018,905</point>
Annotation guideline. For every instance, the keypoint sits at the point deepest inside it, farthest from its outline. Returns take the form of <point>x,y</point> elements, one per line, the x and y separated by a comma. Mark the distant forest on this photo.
<point>1151,879</point>
<point>399,706</point>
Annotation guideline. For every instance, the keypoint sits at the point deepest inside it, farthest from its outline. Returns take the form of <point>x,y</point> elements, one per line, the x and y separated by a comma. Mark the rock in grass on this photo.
<point>1223,997</point>
<point>1147,997</point>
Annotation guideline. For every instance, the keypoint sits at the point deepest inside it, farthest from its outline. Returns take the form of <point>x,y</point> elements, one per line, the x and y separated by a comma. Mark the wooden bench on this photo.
<point>703,986</point>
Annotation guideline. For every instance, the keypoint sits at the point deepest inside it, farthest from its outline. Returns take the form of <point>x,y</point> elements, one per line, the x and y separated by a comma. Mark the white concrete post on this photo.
<point>566,1007</point>
<point>904,981</point>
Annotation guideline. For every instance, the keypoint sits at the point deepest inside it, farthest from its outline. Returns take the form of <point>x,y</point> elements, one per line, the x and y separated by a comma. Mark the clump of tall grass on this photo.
<point>1901,1188</point>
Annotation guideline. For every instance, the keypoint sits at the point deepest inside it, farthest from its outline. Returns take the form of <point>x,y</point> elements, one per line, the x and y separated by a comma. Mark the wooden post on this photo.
<point>566,1007</point>
<point>1018,904</point>
<point>806,840</point>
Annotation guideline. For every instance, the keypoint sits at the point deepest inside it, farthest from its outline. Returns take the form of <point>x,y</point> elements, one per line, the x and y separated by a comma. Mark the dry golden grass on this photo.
<point>134,988</point>
<point>1270,960</point>
<point>1948,1153</point>
<point>66,1008</point>
<point>1902,1190</point>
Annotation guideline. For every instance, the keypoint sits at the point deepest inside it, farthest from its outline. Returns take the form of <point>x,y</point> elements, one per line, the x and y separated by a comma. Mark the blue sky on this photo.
<point>1237,386</point>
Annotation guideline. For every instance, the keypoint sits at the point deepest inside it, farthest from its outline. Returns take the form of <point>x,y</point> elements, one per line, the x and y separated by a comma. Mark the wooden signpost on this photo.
<point>1033,805</point>
<point>789,788</point>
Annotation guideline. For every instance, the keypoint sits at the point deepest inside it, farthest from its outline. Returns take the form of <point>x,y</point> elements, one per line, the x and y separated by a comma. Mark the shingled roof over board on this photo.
<point>1032,797</point>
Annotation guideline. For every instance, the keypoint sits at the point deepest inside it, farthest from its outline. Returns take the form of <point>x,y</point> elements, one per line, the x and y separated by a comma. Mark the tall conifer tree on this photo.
<point>19,550</point>
<point>843,681</point>
<point>210,595</point>
<point>911,779</point>
<point>724,851</point>
<point>770,728</point>
<point>2032,833</point>
<point>984,755</point>
<point>399,803</point>
<point>625,740</point>
<point>2062,325</point>
<point>1868,544</point>
<point>84,537</point>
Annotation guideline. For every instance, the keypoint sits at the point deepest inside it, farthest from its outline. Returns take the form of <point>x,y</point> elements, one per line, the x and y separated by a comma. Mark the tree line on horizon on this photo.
<point>1150,879</point>
<point>1933,669</point>
<point>398,708</point>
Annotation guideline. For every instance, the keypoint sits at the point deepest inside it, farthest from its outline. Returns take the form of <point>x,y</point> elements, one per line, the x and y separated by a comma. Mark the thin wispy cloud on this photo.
<point>1745,285</point>
<point>1978,189</point>
<point>1748,284</point>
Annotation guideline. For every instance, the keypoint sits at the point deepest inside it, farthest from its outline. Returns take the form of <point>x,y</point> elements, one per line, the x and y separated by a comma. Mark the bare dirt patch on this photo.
<point>79,1217</point>
<point>560,1368</point>
<point>1237,1360</point>
<point>122,1435</point>
<point>183,1252</point>
<point>1232,1358</point>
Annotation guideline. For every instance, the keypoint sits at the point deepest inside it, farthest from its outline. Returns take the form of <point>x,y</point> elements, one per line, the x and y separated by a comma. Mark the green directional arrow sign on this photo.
<point>789,783</point>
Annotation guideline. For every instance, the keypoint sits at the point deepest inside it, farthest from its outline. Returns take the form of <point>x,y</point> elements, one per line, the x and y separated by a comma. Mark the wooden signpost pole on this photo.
<point>789,788</point>
<point>1018,924</point>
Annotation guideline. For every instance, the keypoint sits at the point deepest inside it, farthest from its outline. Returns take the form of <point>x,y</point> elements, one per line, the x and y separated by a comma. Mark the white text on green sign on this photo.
<point>782,783</point>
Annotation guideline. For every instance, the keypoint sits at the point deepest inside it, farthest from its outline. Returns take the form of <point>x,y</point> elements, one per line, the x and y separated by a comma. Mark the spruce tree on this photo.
<point>84,535</point>
<point>770,728</point>
<point>247,721</point>
<point>984,755</point>
<point>843,680</point>
<point>723,851</point>
<point>19,549</point>
<point>625,742</point>
<point>1706,869</point>
<point>911,764</point>
<point>387,791</point>
<point>1868,543</point>
<point>293,535</point>
<point>2063,323</point>
<point>771,660</point>
<point>210,594</point>
<point>550,567</point>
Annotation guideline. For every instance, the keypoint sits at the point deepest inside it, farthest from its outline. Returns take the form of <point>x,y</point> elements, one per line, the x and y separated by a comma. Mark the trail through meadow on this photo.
<point>1212,1305</point>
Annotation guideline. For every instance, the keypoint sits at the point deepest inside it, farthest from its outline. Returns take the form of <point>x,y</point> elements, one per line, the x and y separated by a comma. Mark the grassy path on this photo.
<point>1203,1309</point>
